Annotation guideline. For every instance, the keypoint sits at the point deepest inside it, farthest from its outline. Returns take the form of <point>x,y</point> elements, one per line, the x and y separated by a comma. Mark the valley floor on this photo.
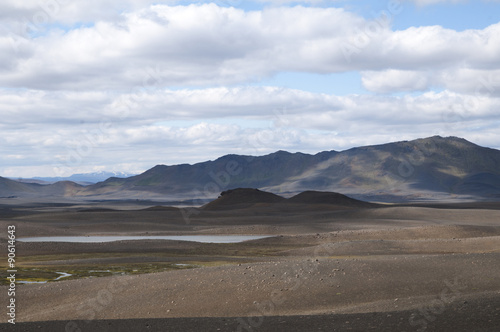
<point>393,268</point>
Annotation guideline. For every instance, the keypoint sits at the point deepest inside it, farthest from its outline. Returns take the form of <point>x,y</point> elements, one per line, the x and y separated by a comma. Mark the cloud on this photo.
<point>185,45</point>
<point>39,13</point>
<point>70,132</point>
<point>477,82</point>
<point>203,45</point>
<point>280,106</point>
<point>145,83</point>
<point>391,80</point>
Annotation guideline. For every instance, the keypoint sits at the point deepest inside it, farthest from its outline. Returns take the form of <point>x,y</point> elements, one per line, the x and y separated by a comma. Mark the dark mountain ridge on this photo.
<point>210,178</point>
<point>432,168</point>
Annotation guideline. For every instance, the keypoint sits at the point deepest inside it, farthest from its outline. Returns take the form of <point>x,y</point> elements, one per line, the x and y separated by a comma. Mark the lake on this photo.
<point>99,239</point>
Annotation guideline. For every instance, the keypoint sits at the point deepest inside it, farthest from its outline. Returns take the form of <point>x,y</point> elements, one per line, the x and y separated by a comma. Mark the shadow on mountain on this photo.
<point>433,168</point>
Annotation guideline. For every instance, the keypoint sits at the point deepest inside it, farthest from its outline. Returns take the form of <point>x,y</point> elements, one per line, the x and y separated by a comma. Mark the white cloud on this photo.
<point>38,13</point>
<point>94,135</point>
<point>392,80</point>
<point>477,82</point>
<point>117,89</point>
<point>186,45</point>
<point>201,45</point>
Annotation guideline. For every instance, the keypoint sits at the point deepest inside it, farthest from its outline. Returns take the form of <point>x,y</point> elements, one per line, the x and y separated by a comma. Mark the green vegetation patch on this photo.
<point>50,273</point>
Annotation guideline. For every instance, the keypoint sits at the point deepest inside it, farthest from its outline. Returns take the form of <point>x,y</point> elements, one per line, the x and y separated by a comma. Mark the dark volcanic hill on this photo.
<point>246,197</point>
<point>430,168</point>
<point>242,198</point>
<point>329,198</point>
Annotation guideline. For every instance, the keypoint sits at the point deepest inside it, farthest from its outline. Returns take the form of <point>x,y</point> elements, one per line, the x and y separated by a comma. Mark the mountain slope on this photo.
<point>429,168</point>
<point>209,179</point>
<point>84,178</point>
<point>441,165</point>
<point>12,189</point>
<point>423,167</point>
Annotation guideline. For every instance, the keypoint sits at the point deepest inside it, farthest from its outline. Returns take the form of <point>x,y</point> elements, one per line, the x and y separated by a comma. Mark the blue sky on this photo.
<point>125,85</point>
<point>459,16</point>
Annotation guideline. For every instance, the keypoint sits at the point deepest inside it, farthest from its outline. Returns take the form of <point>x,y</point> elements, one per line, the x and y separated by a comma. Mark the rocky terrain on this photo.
<point>329,263</point>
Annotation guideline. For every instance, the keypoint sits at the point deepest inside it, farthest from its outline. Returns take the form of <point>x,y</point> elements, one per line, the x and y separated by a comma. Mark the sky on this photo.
<point>124,85</point>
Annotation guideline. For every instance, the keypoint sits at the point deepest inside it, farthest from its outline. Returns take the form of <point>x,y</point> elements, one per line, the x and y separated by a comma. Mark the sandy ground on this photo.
<point>397,268</point>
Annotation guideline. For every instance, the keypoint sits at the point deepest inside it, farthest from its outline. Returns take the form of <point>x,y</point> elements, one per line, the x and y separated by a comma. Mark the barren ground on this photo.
<point>393,268</point>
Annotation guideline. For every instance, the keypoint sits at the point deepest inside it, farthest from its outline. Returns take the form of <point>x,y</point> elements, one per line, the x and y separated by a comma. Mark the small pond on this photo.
<point>192,238</point>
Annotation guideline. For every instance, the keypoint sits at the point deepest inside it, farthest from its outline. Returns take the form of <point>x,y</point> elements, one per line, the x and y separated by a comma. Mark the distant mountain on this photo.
<point>14,189</point>
<point>84,178</point>
<point>10,188</point>
<point>422,169</point>
<point>29,180</point>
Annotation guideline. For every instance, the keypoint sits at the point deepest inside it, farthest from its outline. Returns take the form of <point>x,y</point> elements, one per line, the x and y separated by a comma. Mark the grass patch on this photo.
<point>100,264</point>
<point>235,250</point>
<point>49,273</point>
<point>29,274</point>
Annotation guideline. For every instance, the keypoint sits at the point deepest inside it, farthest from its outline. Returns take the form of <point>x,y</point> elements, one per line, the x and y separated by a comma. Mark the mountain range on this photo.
<point>83,179</point>
<point>423,169</point>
